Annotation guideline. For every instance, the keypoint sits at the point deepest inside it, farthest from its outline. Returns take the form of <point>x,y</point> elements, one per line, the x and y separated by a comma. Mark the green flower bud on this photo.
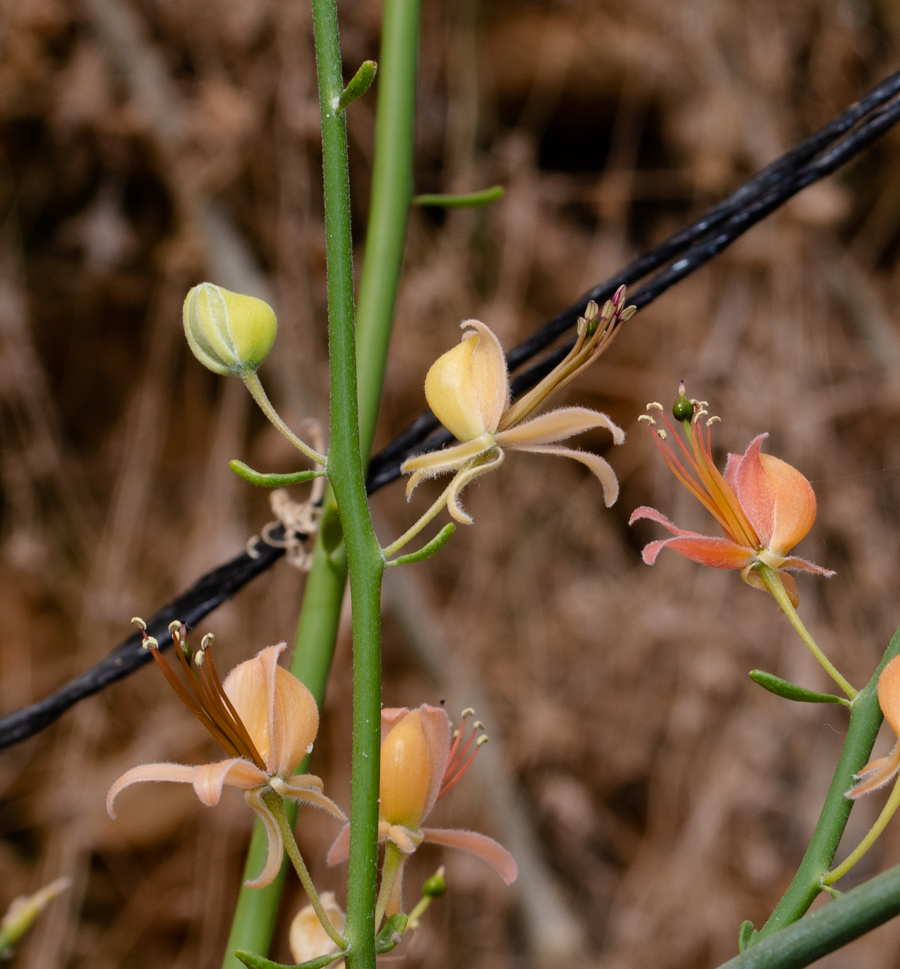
<point>682,409</point>
<point>227,332</point>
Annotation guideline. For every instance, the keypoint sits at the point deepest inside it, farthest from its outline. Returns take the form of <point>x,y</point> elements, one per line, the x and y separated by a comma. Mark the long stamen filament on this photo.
<point>216,683</point>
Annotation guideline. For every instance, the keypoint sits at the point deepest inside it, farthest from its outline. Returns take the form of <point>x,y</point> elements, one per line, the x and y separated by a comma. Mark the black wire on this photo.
<point>865,120</point>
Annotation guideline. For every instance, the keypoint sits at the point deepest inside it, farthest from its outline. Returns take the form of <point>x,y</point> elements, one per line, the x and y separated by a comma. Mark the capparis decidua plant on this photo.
<point>404,760</point>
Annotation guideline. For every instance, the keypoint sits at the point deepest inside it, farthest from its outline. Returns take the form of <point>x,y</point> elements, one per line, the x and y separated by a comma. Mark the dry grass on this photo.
<point>671,798</point>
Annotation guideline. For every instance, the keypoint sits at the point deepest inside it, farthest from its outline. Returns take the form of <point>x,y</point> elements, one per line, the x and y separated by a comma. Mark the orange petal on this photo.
<point>600,466</point>
<point>477,844</point>
<point>250,694</point>
<point>276,843</point>
<point>557,425</point>
<point>340,847</point>
<point>405,773</point>
<point>436,729</point>
<point>294,723</point>
<point>889,693</point>
<point>879,777</point>
<point>777,499</point>
<point>209,779</point>
<point>176,773</point>
<point>390,716</point>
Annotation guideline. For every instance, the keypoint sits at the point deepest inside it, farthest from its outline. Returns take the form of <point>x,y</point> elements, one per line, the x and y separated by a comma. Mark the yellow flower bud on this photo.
<point>227,332</point>
<point>405,773</point>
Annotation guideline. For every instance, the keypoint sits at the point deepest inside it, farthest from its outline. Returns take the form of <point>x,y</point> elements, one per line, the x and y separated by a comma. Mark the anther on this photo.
<point>150,642</point>
<point>591,311</point>
<point>455,734</point>
<point>654,405</point>
<point>199,657</point>
<point>478,725</point>
<point>468,712</point>
<point>483,739</point>
<point>627,313</point>
<point>207,641</point>
<point>648,419</point>
<point>713,420</point>
<point>175,627</point>
<point>661,434</point>
<point>137,621</point>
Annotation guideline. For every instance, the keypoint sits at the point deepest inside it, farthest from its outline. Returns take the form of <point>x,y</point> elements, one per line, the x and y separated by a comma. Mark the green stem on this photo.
<point>887,813</point>
<point>774,584</point>
<point>345,469</point>
<point>393,862</point>
<point>392,186</point>
<point>275,803</point>
<point>865,719</point>
<point>252,383</point>
<point>411,533</point>
<point>828,928</point>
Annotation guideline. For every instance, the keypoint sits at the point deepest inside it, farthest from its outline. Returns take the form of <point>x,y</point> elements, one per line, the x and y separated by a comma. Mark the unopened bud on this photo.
<point>227,332</point>
<point>435,886</point>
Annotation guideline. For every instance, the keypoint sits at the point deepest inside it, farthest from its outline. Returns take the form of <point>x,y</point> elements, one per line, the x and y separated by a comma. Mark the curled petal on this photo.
<point>407,841</point>
<point>719,553</point>
<point>444,461</point>
<point>276,844</point>
<point>209,779</point>
<point>557,425</point>
<point>300,788</point>
<point>340,847</point>
<point>802,565</point>
<point>884,770</point>
<point>477,844</point>
<point>177,773</point>
<point>600,466</point>
<point>463,478</point>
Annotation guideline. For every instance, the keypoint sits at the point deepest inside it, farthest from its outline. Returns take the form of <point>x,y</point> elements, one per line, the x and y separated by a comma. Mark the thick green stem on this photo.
<point>865,719</point>
<point>829,928</point>
<point>774,584</point>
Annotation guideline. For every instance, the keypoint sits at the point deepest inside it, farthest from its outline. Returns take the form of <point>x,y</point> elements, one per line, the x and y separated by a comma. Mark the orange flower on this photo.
<point>763,505</point>
<point>468,390</point>
<point>419,764</point>
<point>878,772</point>
<point>261,715</point>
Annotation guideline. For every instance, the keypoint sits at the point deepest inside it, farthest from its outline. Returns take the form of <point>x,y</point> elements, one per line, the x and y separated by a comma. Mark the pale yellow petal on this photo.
<point>306,937</point>
<point>600,466</point>
<point>176,773</point>
<point>557,425</point>
<point>489,374</point>
<point>250,694</point>
<point>450,391</point>
<point>405,773</point>
<point>464,478</point>
<point>295,723</point>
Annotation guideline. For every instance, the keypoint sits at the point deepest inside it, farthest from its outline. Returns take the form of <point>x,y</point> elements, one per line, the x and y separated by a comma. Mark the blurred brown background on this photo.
<point>658,795</point>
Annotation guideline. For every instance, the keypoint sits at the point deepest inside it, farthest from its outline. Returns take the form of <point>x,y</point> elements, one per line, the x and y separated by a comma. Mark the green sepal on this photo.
<point>790,691</point>
<point>331,529</point>
<point>484,197</point>
<point>272,480</point>
<point>387,937</point>
<point>426,551</point>
<point>261,962</point>
<point>747,935</point>
<point>359,84</point>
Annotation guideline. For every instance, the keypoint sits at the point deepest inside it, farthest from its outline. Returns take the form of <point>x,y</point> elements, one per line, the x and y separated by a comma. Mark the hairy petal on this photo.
<point>485,848</point>
<point>436,729</point>
<point>802,565</point>
<point>464,478</point>
<point>340,847</point>
<point>250,692</point>
<point>557,425</point>
<point>718,553</point>
<point>442,462</point>
<point>276,843</point>
<point>177,773</point>
<point>307,788</point>
<point>209,779</point>
<point>889,694</point>
<point>489,374</point>
<point>600,466</point>
<point>878,777</point>
<point>294,722</point>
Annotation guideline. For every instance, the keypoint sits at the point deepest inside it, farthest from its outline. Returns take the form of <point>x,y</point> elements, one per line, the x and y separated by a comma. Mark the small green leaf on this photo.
<point>359,84</point>
<point>272,480</point>
<point>790,691</point>
<point>260,962</point>
<point>330,529</point>
<point>426,551</point>
<point>391,934</point>
<point>746,936</point>
<point>484,197</point>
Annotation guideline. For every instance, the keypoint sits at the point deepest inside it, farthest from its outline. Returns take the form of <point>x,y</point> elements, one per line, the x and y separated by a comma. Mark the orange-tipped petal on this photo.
<point>276,843</point>
<point>477,844</point>
<point>776,498</point>
<point>558,425</point>
<point>209,779</point>
<point>879,776</point>
<point>176,773</point>
<point>889,693</point>
<point>600,466</point>
<point>340,847</point>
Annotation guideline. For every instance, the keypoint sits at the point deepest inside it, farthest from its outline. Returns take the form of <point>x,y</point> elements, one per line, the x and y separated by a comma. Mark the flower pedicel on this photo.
<point>264,717</point>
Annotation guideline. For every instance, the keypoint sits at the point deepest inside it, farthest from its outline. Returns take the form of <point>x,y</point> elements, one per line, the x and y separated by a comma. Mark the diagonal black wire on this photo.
<point>819,155</point>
